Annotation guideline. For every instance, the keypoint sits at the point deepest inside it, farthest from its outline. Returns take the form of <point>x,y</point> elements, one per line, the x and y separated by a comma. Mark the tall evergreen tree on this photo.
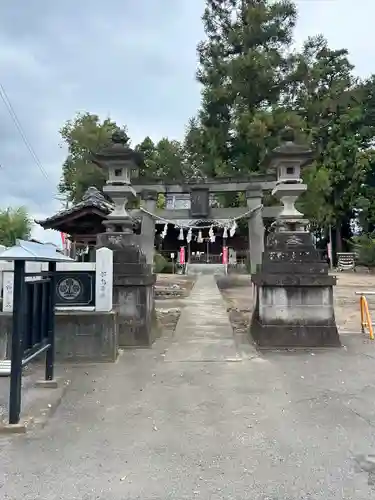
<point>148,150</point>
<point>242,68</point>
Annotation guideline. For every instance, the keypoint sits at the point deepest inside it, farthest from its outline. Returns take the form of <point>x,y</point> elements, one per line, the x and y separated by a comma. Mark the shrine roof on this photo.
<point>92,199</point>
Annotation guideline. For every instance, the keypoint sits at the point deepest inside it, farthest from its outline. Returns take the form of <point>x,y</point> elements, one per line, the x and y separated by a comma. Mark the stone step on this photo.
<point>5,367</point>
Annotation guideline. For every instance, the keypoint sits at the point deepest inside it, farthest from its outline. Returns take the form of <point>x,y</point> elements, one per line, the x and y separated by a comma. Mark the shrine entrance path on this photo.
<point>203,332</point>
<point>195,418</point>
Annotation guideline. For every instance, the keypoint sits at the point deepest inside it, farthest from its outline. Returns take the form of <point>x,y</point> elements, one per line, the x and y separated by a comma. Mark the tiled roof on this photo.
<point>92,198</point>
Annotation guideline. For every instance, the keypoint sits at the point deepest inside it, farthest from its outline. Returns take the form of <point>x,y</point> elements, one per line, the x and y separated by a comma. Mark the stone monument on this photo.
<point>293,290</point>
<point>133,279</point>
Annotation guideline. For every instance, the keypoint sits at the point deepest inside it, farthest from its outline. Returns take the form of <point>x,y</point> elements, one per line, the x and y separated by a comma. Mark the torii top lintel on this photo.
<point>217,185</point>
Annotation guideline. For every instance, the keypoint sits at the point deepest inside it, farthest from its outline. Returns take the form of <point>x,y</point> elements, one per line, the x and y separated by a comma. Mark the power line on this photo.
<point>19,127</point>
<point>13,115</point>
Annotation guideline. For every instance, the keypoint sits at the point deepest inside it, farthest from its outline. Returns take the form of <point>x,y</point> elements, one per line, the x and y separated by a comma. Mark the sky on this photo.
<point>132,60</point>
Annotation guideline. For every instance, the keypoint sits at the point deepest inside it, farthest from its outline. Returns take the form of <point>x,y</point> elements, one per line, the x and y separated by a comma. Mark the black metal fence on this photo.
<point>33,327</point>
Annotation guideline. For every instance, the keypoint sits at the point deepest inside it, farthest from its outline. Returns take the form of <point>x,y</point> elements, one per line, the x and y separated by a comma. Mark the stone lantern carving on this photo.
<point>119,160</point>
<point>293,290</point>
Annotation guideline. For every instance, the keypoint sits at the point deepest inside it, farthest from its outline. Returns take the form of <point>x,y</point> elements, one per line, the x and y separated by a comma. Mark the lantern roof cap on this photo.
<point>290,148</point>
<point>117,150</point>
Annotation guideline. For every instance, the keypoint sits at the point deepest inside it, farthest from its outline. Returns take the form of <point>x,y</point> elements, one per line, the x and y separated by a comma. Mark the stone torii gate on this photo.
<point>121,162</point>
<point>196,206</point>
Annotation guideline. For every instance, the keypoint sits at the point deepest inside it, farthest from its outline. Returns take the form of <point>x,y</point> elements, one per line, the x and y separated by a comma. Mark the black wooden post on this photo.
<point>19,302</point>
<point>50,353</point>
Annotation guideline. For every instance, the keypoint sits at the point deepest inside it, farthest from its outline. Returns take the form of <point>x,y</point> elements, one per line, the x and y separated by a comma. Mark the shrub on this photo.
<point>159,263</point>
<point>169,268</point>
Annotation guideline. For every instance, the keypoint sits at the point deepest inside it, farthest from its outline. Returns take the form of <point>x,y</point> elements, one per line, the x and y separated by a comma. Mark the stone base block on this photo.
<point>141,333</point>
<point>81,336</point>
<point>48,384</point>
<point>294,315</point>
<point>86,336</point>
<point>13,428</point>
<point>284,336</point>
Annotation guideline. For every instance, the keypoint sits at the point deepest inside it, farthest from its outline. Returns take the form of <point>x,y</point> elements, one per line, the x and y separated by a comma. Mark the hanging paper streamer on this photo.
<point>189,235</point>
<point>181,235</point>
<point>233,229</point>
<point>164,232</point>
<point>200,237</point>
<point>225,232</point>
<point>211,234</point>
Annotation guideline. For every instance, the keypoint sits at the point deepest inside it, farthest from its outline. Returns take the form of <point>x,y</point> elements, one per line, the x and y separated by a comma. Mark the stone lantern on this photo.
<point>133,279</point>
<point>287,160</point>
<point>119,160</point>
<point>293,290</point>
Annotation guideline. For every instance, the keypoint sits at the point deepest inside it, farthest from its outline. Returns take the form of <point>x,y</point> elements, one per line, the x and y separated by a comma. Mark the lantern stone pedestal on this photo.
<point>133,278</point>
<point>293,290</point>
<point>294,296</point>
<point>133,290</point>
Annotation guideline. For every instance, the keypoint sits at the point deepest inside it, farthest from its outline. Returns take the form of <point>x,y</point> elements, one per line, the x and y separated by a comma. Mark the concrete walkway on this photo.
<point>171,423</point>
<point>203,331</point>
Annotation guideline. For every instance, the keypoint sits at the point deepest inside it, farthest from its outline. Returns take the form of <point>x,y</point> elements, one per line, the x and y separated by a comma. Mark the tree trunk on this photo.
<point>338,237</point>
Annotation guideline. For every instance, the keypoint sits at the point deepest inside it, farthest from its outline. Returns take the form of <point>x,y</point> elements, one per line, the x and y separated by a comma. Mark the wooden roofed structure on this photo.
<point>82,222</point>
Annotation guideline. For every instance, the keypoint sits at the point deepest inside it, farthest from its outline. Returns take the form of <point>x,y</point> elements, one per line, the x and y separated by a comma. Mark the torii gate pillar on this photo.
<point>256,227</point>
<point>148,202</point>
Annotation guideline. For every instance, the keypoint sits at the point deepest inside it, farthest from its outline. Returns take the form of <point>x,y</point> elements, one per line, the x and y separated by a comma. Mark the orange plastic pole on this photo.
<point>361,307</point>
<point>365,313</point>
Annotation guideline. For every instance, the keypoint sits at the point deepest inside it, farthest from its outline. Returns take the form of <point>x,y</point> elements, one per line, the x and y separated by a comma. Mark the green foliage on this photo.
<point>160,202</point>
<point>15,223</point>
<point>162,265</point>
<point>87,134</point>
<point>331,103</point>
<point>83,135</point>
<point>365,202</point>
<point>314,202</point>
<point>159,263</point>
<point>193,149</point>
<point>364,246</point>
<point>163,160</point>
<point>170,268</point>
<point>147,148</point>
